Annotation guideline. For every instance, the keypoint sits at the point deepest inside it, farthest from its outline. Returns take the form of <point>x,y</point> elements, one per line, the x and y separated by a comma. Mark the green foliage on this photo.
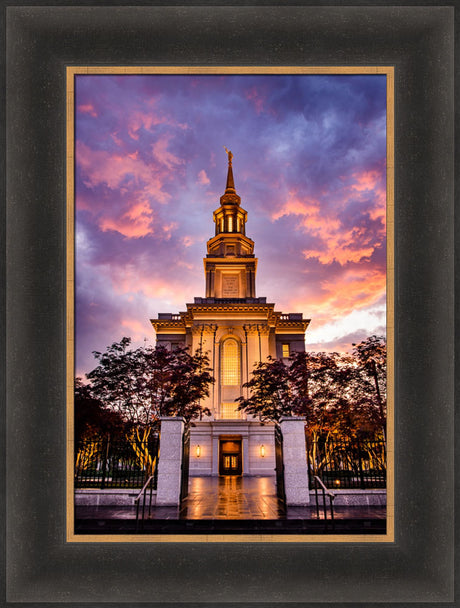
<point>144,384</point>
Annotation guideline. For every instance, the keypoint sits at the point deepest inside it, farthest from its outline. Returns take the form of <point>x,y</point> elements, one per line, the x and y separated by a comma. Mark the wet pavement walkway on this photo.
<point>229,499</point>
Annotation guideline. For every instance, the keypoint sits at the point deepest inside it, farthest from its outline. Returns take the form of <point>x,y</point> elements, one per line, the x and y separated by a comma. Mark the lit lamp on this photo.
<point>262,451</point>
<point>198,451</point>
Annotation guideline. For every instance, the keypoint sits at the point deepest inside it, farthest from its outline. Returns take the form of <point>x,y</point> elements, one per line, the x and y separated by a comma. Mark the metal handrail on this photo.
<point>331,495</point>
<point>143,488</point>
<point>137,499</point>
<point>324,487</point>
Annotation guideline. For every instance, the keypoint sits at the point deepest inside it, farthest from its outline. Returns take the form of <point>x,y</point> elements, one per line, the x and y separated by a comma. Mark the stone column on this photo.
<point>246,467</point>
<point>295,461</point>
<point>170,461</point>
<point>215,455</point>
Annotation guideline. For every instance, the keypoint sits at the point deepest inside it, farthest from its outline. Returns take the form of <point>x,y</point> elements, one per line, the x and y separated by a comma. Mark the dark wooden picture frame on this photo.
<point>41,566</point>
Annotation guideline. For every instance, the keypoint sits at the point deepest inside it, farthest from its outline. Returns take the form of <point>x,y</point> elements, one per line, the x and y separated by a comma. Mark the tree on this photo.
<point>270,397</point>
<point>315,378</point>
<point>144,384</point>
<point>371,355</point>
<point>91,418</point>
<point>331,390</point>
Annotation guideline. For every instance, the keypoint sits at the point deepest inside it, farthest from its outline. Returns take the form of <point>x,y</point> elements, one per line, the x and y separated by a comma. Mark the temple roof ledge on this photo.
<point>261,300</point>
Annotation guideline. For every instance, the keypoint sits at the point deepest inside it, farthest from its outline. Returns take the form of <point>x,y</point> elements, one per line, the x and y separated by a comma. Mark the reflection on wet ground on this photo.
<point>231,498</point>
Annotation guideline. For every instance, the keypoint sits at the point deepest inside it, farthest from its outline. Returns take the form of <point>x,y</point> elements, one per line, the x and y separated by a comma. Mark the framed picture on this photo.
<point>142,176</point>
<point>43,44</point>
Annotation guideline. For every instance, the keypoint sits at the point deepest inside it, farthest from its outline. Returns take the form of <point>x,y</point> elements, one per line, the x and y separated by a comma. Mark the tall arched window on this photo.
<point>230,377</point>
<point>230,363</point>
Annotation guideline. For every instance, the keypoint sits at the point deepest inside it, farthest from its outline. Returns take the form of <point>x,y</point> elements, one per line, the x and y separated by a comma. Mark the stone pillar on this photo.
<point>170,461</point>
<point>215,455</point>
<point>295,461</point>
<point>246,467</point>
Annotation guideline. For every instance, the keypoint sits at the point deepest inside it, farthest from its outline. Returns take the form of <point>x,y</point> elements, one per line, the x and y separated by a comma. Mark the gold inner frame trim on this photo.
<point>71,72</point>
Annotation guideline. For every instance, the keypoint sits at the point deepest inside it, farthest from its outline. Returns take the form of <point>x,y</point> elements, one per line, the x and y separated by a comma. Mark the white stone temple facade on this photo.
<point>237,329</point>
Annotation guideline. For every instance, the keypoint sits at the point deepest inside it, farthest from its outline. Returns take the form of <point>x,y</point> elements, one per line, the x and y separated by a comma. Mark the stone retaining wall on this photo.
<point>354,498</point>
<point>118,497</point>
<point>108,498</point>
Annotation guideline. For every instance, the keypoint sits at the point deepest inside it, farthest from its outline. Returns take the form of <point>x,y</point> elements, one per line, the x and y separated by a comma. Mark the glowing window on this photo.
<point>238,223</point>
<point>230,363</point>
<point>222,224</point>
<point>228,411</point>
<point>286,350</point>
<point>230,223</point>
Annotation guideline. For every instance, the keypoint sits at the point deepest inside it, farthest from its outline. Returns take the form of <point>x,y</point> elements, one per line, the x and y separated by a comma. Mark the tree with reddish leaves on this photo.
<point>144,384</point>
<point>270,391</point>
<point>332,391</point>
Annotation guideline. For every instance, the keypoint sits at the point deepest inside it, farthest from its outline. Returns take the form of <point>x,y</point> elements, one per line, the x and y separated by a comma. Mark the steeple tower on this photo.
<point>230,265</point>
<point>230,197</point>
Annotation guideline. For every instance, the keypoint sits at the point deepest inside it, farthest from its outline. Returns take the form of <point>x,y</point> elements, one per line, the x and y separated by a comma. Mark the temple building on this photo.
<point>237,329</point>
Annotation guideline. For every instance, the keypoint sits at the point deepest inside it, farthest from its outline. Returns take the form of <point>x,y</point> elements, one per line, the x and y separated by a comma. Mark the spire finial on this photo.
<point>230,187</point>
<point>230,156</point>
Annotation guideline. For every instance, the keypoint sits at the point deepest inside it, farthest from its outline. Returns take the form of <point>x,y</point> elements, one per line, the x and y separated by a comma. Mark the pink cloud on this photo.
<point>82,203</point>
<point>88,109</point>
<point>341,247</point>
<point>163,156</point>
<point>257,99</point>
<point>355,289</point>
<point>188,241</point>
<point>135,223</point>
<point>367,180</point>
<point>295,206</point>
<point>116,139</point>
<point>333,241</point>
<point>168,229</point>
<point>203,178</point>
<point>111,169</point>
<point>136,329</point>
<point>140,120</point>
<point>130,279</point>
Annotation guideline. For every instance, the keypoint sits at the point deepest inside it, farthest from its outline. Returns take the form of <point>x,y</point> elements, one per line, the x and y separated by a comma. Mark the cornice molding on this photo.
<point>205,328</point>
<point>256,329</point>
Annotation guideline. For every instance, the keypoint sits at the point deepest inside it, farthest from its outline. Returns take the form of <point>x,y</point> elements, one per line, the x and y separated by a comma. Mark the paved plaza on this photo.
<point>231,498</point>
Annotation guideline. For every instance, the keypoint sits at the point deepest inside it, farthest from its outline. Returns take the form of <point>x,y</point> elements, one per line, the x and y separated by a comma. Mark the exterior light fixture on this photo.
<point>262,451</point>
<point>198,451</point>
<point>337,482</point>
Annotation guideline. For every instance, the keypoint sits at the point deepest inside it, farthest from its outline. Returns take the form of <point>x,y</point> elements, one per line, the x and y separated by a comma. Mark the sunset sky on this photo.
<point>309,165</point>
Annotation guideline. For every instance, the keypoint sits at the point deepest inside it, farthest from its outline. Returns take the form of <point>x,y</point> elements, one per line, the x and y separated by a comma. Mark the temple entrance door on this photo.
<point>230,457</point>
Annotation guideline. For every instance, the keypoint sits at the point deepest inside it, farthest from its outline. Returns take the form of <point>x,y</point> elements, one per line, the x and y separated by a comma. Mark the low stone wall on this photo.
<point>119,497</point>
<point>108,498</point>
<point>354,498</point>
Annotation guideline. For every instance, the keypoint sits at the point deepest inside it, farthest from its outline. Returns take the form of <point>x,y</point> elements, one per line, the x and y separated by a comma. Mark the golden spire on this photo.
<point>230,187</point>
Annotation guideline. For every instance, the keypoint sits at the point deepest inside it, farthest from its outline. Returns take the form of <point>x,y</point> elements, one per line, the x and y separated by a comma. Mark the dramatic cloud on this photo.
<point>309,164</point>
